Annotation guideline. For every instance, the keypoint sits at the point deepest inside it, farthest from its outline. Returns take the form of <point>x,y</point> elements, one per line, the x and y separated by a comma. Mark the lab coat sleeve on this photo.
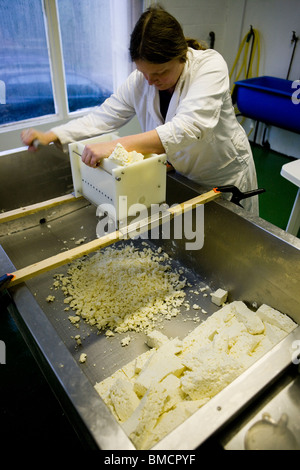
<point>198,111</point>
<point>115,112</point>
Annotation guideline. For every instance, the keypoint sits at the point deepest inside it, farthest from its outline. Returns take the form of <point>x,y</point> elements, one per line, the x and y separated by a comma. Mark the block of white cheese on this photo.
<point>175,394</point>
<point>276,318</point>
<point>176,377</point>
<point>173,346</point>
<point>202,335</point>
<point>249,318</point>
<point>228,335</point>
<point>152,405</point>
<point>171,419</point>
<point>141,360</point>
<point>274,333</point>
<point>210,372</point>
<point>219,297</point>
<point>245,349</point>
<point>155,339</point>
<point>157,367</point>
<point>123,398</point>
<point>103,387</point>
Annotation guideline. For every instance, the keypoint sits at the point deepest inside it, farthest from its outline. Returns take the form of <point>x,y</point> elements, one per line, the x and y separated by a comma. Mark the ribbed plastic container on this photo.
<point>269,100</point>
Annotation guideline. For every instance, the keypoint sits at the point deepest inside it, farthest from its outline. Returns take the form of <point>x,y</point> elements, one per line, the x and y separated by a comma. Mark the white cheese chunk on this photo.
<point>74,318</point>
<point>155,339</point>
<point>141,360</point>
<point>210,372</point>
<point>173,346</point>
<point>203,334</point>
<point>250,319</point>
<point>171,419</point>
<point>146,414</point>
<point>245,347</point>
<point>124,158</point>
<point>82,358</point>
<point>176,377</point>
<point>159,398</point>
<point>159,365</point>
<point>276,318</point>
<point>125,341</point>
<point>274,333</point>
<point>103,387</point>
<point>227,336</point>
<point>123,398</point>
<point>219,296</point>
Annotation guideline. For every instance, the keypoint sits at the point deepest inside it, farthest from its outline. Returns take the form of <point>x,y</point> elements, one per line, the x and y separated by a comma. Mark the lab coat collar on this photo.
<point>154,104</point>
<point>177,92</point>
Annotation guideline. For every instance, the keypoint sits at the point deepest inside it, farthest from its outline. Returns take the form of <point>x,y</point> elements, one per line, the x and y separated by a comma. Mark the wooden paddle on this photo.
<point>32,209</point>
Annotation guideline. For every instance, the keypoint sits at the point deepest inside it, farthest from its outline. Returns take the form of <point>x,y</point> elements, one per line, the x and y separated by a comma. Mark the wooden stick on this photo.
<point>192,203</point>
<point>60,259</point>
<point>27,210</point>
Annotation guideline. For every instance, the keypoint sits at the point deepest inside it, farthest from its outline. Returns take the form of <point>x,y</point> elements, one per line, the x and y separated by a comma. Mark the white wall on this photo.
<point>199,17</point>
<point>230,20</point>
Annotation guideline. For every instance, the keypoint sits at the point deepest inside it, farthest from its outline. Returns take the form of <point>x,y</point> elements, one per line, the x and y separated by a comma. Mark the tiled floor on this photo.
<point>29,413</point>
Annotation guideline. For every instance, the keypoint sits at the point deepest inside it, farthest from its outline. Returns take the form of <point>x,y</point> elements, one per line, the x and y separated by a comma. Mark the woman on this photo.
<point>180,94</point>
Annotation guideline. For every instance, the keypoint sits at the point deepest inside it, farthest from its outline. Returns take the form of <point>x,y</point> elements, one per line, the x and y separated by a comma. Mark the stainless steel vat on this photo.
<point>253,260</point>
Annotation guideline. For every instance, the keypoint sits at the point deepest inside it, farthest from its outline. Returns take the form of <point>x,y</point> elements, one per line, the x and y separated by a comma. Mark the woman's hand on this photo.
<point>32,138</point>
<point>94,153</point>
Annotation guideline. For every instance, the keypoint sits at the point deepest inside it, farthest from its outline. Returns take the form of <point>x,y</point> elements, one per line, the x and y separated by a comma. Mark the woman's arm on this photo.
<point>145,142</point>
<point>116,111</point>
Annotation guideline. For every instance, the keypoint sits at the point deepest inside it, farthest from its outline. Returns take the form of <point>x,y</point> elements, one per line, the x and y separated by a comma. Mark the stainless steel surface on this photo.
<point>104,355</point>
<point>284,400</point>
<point>251,259</point>
<point>37,176</point>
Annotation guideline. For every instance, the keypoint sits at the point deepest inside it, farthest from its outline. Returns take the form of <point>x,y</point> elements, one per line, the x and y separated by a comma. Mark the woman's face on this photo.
<point>162,76</point>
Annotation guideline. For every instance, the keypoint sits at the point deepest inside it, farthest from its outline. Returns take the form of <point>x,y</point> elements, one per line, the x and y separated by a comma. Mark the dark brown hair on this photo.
<point>158,38</point>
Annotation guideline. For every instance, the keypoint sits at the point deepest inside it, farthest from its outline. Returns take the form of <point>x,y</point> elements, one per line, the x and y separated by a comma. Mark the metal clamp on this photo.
<point>238,195</point>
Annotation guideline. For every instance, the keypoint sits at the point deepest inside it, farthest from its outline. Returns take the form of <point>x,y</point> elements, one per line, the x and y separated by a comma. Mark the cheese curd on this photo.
<point>124,158</point>
<point>172,380</point>
<point>123,289</point>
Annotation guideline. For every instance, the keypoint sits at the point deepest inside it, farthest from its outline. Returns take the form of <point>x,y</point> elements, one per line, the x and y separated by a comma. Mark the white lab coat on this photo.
<point>201,135</point>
